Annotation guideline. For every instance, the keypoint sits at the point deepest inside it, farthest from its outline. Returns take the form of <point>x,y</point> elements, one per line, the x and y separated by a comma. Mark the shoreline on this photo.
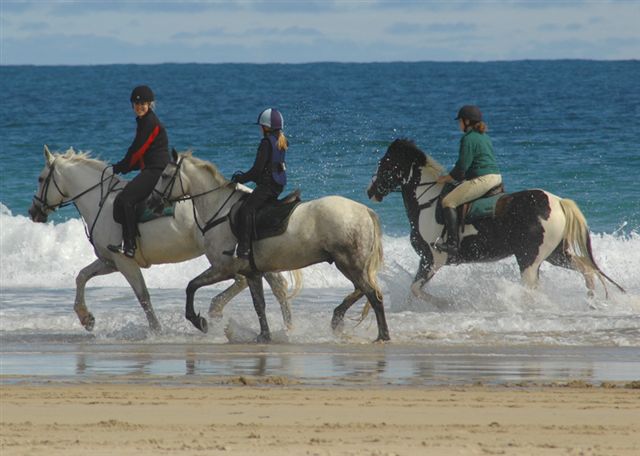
<point>271,419</point>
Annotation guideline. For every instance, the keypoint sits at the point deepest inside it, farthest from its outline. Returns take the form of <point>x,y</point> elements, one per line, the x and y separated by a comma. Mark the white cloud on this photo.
<point>244,31</point>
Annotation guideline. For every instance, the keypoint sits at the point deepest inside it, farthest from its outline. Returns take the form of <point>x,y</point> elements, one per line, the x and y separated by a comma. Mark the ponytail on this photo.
<point>283,143</point>
<point>479,126</point>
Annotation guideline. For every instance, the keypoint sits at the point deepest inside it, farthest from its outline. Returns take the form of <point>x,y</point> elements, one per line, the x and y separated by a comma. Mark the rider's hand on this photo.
<point>119,168</point>
<point>444,179</point>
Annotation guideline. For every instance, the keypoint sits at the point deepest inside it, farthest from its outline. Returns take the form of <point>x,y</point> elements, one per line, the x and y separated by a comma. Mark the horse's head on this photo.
<point>394,169</point>
<point>171,185</point>
<point>49,195</point>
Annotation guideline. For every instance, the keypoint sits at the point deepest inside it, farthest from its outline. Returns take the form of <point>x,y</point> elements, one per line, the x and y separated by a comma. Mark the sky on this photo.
<point>90,32</point>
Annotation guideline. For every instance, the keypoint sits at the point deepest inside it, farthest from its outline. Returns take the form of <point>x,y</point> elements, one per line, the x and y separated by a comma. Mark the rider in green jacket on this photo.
<point>476,168</point>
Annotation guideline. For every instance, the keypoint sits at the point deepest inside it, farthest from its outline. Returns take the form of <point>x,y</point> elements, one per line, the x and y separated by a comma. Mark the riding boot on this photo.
<point>128,246</point>
<point>451,225</point>
<point>244,238</point>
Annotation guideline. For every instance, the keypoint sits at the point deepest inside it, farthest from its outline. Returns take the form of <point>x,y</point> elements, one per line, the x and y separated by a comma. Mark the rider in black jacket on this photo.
<point>148,153</point>
<point>268,172</point>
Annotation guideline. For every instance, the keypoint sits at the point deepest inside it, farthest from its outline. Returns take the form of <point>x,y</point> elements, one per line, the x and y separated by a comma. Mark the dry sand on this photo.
<point>288,419</point>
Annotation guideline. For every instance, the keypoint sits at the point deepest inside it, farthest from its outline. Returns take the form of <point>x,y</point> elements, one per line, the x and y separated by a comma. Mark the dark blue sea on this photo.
<point>567,126</point>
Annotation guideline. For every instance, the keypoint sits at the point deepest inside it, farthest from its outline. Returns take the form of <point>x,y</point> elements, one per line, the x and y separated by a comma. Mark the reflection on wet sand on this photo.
<point>326,364</point>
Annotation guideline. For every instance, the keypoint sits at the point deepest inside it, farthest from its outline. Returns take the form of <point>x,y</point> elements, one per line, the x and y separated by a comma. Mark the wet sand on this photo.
<point>81,398</point>
<point>273,417</point>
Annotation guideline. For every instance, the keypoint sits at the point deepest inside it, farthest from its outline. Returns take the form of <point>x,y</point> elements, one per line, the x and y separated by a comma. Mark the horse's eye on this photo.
<point>40,179</point>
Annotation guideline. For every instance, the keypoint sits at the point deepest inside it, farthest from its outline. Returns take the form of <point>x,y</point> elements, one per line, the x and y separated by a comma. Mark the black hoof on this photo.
<point>88,322</point>
<point>264,338</point>
<point>200,323</point>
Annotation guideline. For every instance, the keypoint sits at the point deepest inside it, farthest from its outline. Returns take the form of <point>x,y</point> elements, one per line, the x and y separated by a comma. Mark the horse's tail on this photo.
<point>373,264</point>
<point>296,283</point>
<point>577,238</point>
<point>376,259</point>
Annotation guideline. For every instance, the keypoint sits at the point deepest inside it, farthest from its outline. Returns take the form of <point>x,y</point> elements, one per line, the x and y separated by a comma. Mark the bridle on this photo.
<point>214,220</point>
<point>44,207</point>
<point>40,201</point>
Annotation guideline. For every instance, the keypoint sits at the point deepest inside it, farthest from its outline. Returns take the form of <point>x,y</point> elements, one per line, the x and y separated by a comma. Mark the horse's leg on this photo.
<point>208,277</point>
<point>563,258</point>
<point>338,313</point>
<point>279,285</point>
<point>359,277</point>
<point>257,294</point>
<point>97,268</point>
<point>132,273</point>
<point>425,273</point>
<point>221,300</point>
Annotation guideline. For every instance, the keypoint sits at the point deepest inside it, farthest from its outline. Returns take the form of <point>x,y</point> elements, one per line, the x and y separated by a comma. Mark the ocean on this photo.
<point>566,126</point>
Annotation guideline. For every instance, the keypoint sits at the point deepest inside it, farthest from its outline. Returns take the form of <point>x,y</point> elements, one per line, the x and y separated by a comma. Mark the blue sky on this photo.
<point>89,32</point>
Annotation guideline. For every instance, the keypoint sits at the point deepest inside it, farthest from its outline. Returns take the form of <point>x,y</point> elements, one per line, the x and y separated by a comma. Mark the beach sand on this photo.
<point>276,416</point>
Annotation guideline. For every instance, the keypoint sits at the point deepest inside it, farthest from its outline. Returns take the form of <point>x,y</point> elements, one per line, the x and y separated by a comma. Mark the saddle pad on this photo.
<point>147,215</point>
<point>483,207</point>
<point>273,220</point>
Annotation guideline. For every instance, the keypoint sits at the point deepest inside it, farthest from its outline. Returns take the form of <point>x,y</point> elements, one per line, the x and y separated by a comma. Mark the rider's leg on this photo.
<point>258,198</point>
<point>124,208</point>
<point>468,190</point>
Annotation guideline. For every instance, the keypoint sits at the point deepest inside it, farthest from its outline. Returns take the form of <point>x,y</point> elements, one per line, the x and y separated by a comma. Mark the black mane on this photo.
<point>405,150</point>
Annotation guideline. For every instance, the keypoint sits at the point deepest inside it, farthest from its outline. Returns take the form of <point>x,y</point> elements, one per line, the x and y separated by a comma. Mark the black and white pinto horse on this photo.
<point>534,225</point>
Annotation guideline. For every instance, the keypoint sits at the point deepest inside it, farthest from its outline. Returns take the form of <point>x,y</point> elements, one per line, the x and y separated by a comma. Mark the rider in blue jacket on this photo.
<point>268,172</point>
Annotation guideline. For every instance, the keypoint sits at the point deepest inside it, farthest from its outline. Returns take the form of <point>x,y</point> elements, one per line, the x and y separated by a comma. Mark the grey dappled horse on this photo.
<point>331,229</point>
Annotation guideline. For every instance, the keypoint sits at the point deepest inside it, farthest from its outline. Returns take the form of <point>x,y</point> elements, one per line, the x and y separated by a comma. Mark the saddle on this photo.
<point>474,210</point>
<point>271,220</point>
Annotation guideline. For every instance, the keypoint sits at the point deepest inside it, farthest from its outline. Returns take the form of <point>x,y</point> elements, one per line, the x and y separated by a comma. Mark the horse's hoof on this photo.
<point>382,339</point>
<point>200,323</point>
<point>88,322</point>
<point>264,338</point>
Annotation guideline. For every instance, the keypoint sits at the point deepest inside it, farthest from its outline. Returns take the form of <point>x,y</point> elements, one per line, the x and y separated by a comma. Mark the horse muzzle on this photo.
<point>372,192</point>
<point>156,203</point>
<point>37,214</point>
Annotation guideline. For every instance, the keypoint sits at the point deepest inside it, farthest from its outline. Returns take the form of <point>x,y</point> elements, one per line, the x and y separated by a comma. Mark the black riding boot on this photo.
<point>451,225</point>
<point>244,236</point>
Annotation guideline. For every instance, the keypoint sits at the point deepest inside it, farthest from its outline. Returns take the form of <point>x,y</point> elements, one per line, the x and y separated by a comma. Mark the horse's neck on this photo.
<point>210,203</point>
<point>427,189</point>
<point>78,178</point>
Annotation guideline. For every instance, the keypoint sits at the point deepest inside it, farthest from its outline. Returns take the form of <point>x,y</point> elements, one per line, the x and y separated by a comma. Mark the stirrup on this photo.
<point>242,254</point>
<point>444,247</point>
<point>128,251</point>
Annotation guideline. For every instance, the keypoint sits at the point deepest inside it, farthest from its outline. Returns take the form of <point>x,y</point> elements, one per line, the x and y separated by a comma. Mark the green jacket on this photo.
<point>476,157</point>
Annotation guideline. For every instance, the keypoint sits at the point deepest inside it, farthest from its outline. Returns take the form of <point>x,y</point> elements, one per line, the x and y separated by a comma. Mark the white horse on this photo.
<point>330,229</point>
<point>533,225</point>
<point>89,184</point>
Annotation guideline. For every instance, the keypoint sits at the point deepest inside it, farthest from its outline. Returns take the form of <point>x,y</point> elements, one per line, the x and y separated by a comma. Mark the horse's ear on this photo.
<point>48,156</point>
<point>174,154</point>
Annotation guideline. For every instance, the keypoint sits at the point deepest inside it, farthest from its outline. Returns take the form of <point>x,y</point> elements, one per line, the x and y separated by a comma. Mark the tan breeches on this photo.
<point>471,189</point>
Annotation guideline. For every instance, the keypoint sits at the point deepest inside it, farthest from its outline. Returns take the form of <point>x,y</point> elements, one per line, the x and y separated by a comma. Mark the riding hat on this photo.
<point>271,118</point>
<point>142,94</point>
<point>470,112</point>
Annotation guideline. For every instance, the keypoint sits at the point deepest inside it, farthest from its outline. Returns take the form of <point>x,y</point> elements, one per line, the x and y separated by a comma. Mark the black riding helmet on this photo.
<point>142,94</point>
<point>470,112</point>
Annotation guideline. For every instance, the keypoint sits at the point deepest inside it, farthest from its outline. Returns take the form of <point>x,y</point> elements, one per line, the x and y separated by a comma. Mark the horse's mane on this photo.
<point>82,157</point>
<point>406,150</point>
<point>206,165</point>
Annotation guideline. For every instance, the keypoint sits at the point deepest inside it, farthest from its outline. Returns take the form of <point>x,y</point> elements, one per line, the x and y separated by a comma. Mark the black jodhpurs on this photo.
<point>257,199</point>
<point>124,206</point>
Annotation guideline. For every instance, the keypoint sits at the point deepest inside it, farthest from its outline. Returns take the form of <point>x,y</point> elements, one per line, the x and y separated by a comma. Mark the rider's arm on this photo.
<point>261,160</point>
<point>146,131</point>
<point>465,158</point>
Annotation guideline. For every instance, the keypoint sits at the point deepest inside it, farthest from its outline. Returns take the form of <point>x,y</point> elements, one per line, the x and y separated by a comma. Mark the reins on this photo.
<point>42,199</point>
<point>212,221</point>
